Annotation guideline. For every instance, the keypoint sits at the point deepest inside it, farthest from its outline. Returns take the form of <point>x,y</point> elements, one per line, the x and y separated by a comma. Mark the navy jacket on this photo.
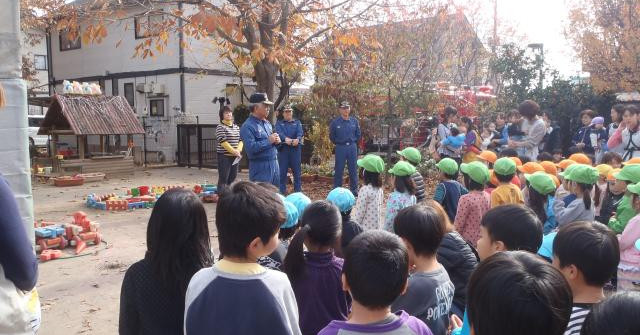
<point>343,131</point>
<point>291,129</point>
<point>255,136</point>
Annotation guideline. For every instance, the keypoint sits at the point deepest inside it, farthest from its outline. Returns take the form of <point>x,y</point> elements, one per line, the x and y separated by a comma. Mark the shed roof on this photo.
<point>91,115</point>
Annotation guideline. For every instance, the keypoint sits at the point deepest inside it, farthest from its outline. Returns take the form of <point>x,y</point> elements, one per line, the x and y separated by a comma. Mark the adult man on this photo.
<point>289,151</point>
<point>260,141</point>
<point>344,132</point>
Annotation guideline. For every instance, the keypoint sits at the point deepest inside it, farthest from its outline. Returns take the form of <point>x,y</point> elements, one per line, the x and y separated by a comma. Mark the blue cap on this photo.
<point>281,197</point>
<point>546,249</point>
<point>292,215</point>
<point>299,200</point>
<point>342,198</point>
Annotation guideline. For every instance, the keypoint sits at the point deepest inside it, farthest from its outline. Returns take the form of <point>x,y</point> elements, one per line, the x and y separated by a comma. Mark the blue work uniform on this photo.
<point>288,155</point>
<point>345,134</point>
<point>262,154</point>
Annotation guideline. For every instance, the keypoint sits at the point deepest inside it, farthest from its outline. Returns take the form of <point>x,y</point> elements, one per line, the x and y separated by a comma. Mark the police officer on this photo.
<point>344,132</point>
<point>289,151</point>
<point>260,141</point>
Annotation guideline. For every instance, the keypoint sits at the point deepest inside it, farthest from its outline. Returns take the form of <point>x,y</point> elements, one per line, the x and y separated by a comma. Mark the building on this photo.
<point>34,51</point>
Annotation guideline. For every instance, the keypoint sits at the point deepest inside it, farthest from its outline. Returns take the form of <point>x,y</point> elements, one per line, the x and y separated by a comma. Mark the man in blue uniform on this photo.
<point>289,151</point>
<point>260,141</point>
<point>344,132</point>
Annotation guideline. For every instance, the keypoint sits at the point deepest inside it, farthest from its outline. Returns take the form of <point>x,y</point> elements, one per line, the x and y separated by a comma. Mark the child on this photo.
<point>473,205</point>
<point>563,190</point>
<point>630,174</point>
<point>153,289</point>
<point>506,192</point>
<point>373,287</point>
<point>587,254</point>
<point>598,137</point>
<point>458,258</point>
<point>493,183</point>
<point>287,229</point>
<point>344,200</point>
<point>472,141</point>
<point>430,291</point>
<point>315,274</point>
<point>248,217</point>
<point>557,155</point>
<point>403,194</point>
<point>413,156</point>
<point>449,190</point>
<point>581,140</point>
<point>612,158</point>
<point>516,292</point>
<point>541,188</point>
<point>613,196</point>
<point>581,178</point>
<point>617,314</point>
<point>488,133</point>
<point>601,185</point>
<point>629,269</point>
<point>368,210</point>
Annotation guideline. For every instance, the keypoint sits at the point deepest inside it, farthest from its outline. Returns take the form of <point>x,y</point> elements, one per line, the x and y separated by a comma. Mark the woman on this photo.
<point>153,289</point>
<point>533,127</point>
<point>449,118</point>
<point>627,135</point>
<point>472,141</point>
<point>229,148</point>
<point>617,111</point>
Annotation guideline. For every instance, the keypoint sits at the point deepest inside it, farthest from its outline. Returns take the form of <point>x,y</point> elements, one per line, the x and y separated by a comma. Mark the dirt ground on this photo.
<point>81,295</point>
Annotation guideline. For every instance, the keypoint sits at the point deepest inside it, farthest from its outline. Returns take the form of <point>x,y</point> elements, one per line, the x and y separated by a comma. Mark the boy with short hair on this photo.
<point>413,156</point>
<point>373,286</point>
<point>248,218</point>
<point>430,291</point>
<point>449,190</point>
<point>506,192</point>
<point>587,254</point>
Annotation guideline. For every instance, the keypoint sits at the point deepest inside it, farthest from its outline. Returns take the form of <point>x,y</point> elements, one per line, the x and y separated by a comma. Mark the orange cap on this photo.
<point>516,160</point>
<point>564,164</point>
<point>531,168</point>
<point>580,158</point>
<point>487,155</point>
<point>555,179</point>
<point>493,180</point>
<point>610,176</point>
<point>549,168</point>
<point>632,161</point>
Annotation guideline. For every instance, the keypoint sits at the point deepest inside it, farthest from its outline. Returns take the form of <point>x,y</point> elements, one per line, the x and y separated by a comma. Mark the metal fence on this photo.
<point>197,145</point>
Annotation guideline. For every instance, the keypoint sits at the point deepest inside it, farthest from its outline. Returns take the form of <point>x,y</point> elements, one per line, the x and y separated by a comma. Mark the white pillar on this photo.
<point>14,135</point>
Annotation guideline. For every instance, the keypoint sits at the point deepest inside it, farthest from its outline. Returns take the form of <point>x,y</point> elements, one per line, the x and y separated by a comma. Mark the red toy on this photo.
<point>49,254</point>
<point>48,243</point>
<point>83,231</point>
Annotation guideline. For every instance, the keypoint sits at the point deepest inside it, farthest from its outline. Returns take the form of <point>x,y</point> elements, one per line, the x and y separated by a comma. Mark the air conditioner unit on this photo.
<point>140,87</point>
<point>158,89</point>
<point>148,88</point>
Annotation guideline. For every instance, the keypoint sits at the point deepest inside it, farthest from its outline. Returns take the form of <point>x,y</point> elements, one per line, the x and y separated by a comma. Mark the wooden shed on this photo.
<point>85,116</point>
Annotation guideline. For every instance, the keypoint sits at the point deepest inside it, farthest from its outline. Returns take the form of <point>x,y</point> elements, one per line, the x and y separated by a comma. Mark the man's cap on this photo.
<point>342,198</point>
<point>447,166</point>
<point>632,161</point>
<point>477,171</point>
<point>583,174</point>
<point>402,169</point>
<point>345,104</point>
<point>604,169</point>
<point>597,120</point>
<point>580,158</point>
<point>634,188</point>
<point>488,156</point>
<point>541,182</point>
<point>292,215</point>
<point>629,173</point>
<point>300,200</point>
<point>371,163</point>
<point>549,167</point>
<point>287,107</point>
<point>531,168</point>
<point>612,173</point>
<point>411,154</point>
<point>257,98</point>
<point>564,164</point>
<point>504,166</point>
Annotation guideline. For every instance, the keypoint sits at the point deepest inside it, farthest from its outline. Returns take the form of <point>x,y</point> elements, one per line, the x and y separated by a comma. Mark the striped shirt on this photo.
<point>578,314</point>
<point>226,133</point>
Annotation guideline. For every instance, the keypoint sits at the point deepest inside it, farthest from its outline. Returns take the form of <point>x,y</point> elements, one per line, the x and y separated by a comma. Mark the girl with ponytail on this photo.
<point>316,274</point>
<point>581,180</point>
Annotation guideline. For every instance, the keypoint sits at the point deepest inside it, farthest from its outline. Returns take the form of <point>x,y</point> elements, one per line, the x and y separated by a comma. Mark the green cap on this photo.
<point>448,166</point>
<point>634,188</point>
<point>402,169</point>
<point>371,163</point>
<point>568,170</point>
<point>504,166</point>
<point>583,174</point>
<point>630,173</point>
<point>477,171</point>
<point>411,154</point>
<point>541,182</point>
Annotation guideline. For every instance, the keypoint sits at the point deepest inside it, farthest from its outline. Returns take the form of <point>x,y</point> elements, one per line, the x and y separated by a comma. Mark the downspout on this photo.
<point>181,60</point>
<point>49,63</point>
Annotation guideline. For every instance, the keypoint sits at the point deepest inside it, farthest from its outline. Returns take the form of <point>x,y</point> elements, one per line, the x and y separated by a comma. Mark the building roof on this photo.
<point>91,115</point>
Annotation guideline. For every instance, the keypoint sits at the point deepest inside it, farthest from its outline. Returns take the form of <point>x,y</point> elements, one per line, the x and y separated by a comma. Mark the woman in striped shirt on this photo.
<point>229,148</point>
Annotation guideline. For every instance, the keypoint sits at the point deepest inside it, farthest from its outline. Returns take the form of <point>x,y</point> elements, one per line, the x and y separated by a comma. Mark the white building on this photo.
<point>37,55</point>
<point>171,88</point>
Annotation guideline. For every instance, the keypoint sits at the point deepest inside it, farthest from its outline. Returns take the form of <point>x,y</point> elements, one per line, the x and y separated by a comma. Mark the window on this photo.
<point>40,62</point>
<point>156,107</point>
<point>66,43</point>
<point>146,26</point>
<point>129,93</point>
<point>35,122</point>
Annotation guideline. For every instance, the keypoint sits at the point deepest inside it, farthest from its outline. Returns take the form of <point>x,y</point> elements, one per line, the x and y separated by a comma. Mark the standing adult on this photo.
<point>229,148</point>
<point>617,111</point>
<point>582,139</point>
<point>344,132</point>
<point>449,119</point>
<point>533,127</point>
<point>551,139</point>
<point>260,141</point>
<point>628,133</point>
<point>289,151</point>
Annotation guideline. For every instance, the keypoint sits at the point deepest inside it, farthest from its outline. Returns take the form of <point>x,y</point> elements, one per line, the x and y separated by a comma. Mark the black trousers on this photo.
<point>226,172</point>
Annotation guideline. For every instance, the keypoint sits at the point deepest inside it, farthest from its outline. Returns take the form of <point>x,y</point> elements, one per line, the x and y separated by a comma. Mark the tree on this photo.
<point>606,36</point>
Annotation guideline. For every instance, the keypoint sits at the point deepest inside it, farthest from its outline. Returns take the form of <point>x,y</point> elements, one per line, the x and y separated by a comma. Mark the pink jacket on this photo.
<point>628,252</point>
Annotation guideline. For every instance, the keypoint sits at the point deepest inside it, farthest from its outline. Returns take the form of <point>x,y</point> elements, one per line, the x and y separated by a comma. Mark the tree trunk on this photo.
<point>266,82</point>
